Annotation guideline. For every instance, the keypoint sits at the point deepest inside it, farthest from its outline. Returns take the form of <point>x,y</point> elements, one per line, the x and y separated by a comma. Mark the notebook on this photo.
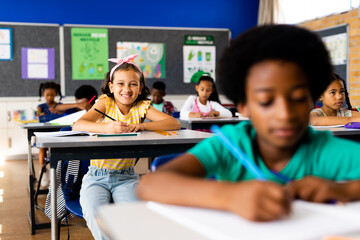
<point>69,119</point>
<point>82,133</point>
<point>307,221</point>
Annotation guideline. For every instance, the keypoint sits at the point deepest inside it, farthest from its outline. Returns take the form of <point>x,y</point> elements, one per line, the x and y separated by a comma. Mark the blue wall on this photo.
<point>237,15</point>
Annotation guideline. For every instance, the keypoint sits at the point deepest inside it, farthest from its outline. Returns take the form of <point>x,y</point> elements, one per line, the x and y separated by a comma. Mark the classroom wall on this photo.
<point>352,18</point>
<point>237,15</point>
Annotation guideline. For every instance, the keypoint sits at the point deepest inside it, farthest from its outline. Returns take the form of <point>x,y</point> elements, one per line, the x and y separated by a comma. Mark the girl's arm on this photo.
<point>38,111</point>
<point>187,108</point>
<point>88,121</point>
<point>159,121</point>
<point>181,182</point>
<point>223,112</point>
<point>317,120</point>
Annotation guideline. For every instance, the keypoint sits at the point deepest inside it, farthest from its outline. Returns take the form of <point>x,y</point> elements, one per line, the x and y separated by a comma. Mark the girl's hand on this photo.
<point>136,127</point>
<point>213,114</point>
<point>258,201</point>
<point>314,189</point>
<point>195,115</point>
<point>116,127</point>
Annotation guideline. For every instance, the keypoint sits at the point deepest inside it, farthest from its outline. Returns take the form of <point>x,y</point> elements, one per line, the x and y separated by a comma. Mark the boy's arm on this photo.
<point>317,189</point>
<point>317,120</point>
<point>181,182</point>
<point>61,108</point>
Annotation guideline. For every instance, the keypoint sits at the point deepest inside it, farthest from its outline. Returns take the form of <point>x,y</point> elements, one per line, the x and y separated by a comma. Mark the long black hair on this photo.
<point>214,95</point>
<point>347,100</point>
<point>51,85</point>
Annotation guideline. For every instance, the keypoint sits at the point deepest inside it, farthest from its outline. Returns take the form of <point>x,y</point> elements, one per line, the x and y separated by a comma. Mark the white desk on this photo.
<point>205,123</point>
<point>30,129</point>
<point>144,220</point>
<point>347,133</point>
<point>148,144</point>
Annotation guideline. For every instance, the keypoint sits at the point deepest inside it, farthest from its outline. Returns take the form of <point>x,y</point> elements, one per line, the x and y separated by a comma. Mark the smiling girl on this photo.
<point>125,100</point>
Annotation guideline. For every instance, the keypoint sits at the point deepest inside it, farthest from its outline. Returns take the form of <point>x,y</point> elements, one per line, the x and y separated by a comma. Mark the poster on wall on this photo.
<point>199,57</point>
<point>337,47</point>
<point>37,63</point>
<point>90,53</point>
<point>151,57</point>
<point>6,44</point>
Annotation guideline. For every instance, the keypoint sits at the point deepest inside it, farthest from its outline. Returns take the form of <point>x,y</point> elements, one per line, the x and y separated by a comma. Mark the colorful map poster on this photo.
<point>6,44</point>
<point>151,57</point>
<point>199,55</point>
<point>37,63</point>
<point>337,47</point>
<point>90,53</point>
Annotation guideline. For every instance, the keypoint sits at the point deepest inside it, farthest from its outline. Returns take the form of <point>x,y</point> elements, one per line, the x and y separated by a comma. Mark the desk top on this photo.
<point>145,138</point>
<point>339,131</point>
<point>162,222</point>
<point>214,120</point>
<point>43,125</point>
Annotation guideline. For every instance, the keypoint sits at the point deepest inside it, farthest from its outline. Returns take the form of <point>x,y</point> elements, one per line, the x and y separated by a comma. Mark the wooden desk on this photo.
<point>205,123</point>
<point>351,134</point>
<point>30,129</point>
<point>148,144</point>
<point>308,221</point>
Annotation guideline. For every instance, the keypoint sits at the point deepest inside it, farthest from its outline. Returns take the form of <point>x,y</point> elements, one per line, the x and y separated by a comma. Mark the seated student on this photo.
<point>49,90</point>
<point>273,74</point>
<point>331,112</point>
<point>83,95</point>
<point>206,104</point>
<point>158,102</point>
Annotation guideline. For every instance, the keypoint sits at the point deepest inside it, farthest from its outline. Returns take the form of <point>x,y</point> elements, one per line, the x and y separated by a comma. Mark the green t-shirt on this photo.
<point>158,107</point>
<point>319,154</point>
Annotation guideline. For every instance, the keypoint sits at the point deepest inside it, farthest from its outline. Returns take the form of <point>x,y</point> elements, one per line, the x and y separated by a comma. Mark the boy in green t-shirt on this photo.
<point>158,93</point>
<point>273,74</point>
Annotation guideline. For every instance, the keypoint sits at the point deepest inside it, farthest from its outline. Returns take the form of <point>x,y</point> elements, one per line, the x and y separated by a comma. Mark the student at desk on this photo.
<point>331,112</point>
<point>206,104</point>
<point>275,84</point>
<point>125,105</point>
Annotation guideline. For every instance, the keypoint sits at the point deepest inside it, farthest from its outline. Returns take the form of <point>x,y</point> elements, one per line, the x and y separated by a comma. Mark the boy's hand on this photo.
<point>115,127</point>
<point>136,127</point>
<point>314,189</point>
<point>258,201</point>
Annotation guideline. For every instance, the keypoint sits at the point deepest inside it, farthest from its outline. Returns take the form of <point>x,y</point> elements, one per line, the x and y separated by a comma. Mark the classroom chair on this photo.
<point>158,161</point>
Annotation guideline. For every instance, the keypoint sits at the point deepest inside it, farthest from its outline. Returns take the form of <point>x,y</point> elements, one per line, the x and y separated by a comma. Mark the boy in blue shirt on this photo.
<point>273,74</point>
<point>158,93</point>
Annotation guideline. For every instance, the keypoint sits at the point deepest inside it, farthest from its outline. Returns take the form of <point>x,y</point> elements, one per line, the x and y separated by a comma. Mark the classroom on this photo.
<point>69,43</point>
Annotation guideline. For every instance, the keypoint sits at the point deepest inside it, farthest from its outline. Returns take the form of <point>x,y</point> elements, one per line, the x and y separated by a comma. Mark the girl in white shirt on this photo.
<point>206,104</point>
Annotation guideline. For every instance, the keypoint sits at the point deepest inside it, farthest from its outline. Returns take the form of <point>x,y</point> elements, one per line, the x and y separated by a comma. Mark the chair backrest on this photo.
<point>69,128</point>
<point>158,161</point>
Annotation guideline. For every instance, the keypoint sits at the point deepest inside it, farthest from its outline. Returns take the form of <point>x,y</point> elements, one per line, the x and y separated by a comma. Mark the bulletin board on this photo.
<point>35,49</point>
<point>171,38</point>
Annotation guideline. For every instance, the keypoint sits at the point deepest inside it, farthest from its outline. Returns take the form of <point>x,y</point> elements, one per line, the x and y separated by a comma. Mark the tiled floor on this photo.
<point>15,205</point>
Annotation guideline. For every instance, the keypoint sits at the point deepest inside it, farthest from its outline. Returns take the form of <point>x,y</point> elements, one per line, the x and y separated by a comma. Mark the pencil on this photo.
<point>358,108</point>
<point>91,99</point>
<point>238,154</point>
<point>162,132</point>
<point>105,115</point>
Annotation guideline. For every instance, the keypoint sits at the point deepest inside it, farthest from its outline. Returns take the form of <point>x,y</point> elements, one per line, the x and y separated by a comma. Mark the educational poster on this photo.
<point>199,57</point>
<point>37,63</point>
<point>151,57</point>
<point>337,47</point>
<point>90,53</point>
<point>5,44</point>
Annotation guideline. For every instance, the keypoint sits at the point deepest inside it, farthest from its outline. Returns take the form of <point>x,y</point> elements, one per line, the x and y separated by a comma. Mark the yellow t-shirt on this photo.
<point>135,115</point>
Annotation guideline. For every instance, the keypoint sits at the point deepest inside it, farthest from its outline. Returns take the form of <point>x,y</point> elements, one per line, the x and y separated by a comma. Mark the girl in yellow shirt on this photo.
<point>125,99</point>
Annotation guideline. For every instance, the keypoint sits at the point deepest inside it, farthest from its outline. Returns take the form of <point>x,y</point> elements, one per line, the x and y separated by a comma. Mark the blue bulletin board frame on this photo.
<point>11,45</point>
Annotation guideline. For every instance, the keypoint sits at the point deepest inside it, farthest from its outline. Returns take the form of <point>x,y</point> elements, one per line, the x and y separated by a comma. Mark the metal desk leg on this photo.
<point>54,222</point>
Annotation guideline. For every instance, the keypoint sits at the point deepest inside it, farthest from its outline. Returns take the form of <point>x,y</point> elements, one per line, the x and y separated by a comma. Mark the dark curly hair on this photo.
<point>145,92</point>
<point>49,85</point>
<point>274,42</point>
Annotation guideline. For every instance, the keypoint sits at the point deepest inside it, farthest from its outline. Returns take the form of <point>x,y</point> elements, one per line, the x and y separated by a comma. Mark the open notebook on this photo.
<point>82,133</point>
<point>307,221</point>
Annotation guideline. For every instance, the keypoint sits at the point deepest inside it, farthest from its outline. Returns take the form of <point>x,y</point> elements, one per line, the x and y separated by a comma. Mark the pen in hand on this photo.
<point>105,115</point>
